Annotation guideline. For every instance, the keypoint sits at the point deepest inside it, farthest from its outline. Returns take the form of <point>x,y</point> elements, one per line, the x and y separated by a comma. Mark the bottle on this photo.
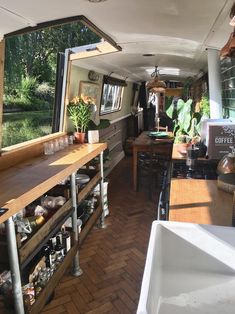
<point>66,240</point>
<point>59,249</point>
<point>47,254</point>
<point>36,221</point>
<point>52,252</point>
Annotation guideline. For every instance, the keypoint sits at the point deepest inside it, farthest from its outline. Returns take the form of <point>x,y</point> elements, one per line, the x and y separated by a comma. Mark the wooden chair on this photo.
<point>161,128</point>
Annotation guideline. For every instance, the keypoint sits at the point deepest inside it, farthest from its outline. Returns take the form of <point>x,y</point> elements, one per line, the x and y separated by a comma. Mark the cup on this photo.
<point>61,143</point>
<point>70,139</point>
<point>66,141</point>
<point>93,136</point>
<point>56,145</point>
<point>48,148</point>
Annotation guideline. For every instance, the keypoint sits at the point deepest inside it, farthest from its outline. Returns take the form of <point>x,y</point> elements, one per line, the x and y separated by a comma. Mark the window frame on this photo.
<point>113,88</point>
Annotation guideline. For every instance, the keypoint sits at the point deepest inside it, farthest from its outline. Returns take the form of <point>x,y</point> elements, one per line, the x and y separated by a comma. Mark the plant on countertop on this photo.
<point>186,121</point>
<point>80,110</point>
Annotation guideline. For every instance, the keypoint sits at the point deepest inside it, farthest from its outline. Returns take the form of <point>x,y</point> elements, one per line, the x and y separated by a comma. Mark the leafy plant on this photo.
<point>28,87</point>
<point>80,113</point>
<point>204,106</point>
<point>186,121</point>
<point>104,123</point>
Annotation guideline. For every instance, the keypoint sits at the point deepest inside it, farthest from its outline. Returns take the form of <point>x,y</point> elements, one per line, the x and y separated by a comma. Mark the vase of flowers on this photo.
<point>80,111</point>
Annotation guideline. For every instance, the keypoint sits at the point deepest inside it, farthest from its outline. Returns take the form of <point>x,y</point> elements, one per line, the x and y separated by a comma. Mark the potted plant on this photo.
<point>186,124</point>
<point>80,110</point>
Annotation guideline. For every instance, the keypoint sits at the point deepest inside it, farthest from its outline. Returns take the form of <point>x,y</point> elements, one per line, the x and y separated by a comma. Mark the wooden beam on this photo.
<point>101,48</point>
<point>2,56</point>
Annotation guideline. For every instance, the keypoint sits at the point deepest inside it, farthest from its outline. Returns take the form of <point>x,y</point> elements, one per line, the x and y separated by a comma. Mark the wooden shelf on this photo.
<point>90,223</point>
<point>36,242</point>
<point>48,290</point>
<point>25,182</point>
<point>28,180</point>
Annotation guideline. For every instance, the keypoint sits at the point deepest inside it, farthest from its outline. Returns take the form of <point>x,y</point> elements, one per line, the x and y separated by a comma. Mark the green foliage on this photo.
<point>104,123</point>
<point>35,54</point>
<point>204,105</point>
<point>20,127</point>
<point>25,104</point>
<point>168,101</point>
<point>186,121</point>
<point>28,87</point>
<point>45,92</point>
<point>80,115</point>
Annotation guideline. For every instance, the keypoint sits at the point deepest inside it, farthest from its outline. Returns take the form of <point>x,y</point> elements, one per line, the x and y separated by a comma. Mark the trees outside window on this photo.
<point>30,76</point>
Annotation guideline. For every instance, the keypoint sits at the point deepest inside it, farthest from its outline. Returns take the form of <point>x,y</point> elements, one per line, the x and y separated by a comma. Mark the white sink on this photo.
<point>190,269</point>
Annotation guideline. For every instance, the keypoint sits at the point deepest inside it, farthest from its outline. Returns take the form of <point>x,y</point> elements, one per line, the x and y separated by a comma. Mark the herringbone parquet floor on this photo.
<point>112,259</point>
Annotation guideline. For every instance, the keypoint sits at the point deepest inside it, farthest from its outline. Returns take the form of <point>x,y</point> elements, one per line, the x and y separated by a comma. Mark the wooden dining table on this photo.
<point>143,144</point>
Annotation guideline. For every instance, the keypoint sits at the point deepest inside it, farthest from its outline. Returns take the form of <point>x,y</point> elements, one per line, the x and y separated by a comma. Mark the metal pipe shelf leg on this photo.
<point>77,271</point>
<point>14,266</point>
<point>102,222</point>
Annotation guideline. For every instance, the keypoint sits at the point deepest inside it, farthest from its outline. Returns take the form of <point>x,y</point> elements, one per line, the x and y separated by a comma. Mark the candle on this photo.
<point>158,123</point>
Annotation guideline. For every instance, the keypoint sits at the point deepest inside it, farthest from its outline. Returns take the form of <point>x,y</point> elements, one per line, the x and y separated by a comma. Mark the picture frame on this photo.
<point>89,89</point>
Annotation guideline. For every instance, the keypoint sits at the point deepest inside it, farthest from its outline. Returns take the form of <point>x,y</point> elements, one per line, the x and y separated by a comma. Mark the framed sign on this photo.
<point>89,90</point>
<point>221,138</point>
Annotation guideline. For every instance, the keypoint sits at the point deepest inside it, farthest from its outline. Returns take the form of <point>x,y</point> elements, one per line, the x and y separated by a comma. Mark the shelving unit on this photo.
<point>90,223</point>
<point>115,136</point>
<point>48,290</point>
<point>228,86</point>
<point>24,183</point>
<point>28,250</point>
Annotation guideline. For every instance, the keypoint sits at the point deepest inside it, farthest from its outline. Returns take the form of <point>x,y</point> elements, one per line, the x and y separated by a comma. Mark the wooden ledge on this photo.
<point>15,154</point>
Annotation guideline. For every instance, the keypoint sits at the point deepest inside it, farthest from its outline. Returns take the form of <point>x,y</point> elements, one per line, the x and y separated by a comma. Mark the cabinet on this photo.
<point>27,181</point>
<point>135,124</point>
<point>115,136</point>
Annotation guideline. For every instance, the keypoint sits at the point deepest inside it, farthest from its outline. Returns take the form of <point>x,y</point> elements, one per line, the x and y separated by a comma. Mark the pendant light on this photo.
<point>155,85</point>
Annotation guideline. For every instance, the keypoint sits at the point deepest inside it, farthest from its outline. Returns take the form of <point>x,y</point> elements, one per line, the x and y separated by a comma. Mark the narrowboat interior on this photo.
<point>117,159</point>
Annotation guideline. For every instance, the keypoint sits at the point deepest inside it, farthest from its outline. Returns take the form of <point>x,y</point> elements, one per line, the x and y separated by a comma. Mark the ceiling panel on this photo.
<point>176,31</point>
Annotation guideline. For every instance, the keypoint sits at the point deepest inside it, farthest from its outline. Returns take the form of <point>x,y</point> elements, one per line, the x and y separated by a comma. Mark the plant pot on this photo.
<point>93,136</point>
<point>79,137</point>
<point>182,148</point>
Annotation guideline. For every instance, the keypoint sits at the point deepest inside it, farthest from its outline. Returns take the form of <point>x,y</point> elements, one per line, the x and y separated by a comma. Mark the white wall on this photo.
<point>80,74</point>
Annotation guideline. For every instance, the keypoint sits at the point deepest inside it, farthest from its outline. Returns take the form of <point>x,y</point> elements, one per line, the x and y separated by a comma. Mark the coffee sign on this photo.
<point>220,140</point>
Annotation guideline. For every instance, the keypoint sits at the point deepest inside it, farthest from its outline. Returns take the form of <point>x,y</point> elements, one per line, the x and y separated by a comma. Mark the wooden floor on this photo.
<point>112,259</point>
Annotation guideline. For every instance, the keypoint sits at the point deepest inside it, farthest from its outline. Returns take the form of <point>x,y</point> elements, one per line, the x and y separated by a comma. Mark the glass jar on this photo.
<point>227,163</point>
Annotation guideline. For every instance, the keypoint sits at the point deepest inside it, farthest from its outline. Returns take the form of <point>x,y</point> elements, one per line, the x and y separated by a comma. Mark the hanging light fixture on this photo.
<point>155,85</point>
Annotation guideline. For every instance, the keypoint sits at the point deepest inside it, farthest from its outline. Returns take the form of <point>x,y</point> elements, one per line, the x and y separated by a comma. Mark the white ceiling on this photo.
<point>177,32</point>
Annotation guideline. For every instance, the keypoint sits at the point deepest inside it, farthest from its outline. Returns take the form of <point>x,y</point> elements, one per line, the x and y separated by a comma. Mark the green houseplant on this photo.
<point>80,110</point>
<point>186,121</point>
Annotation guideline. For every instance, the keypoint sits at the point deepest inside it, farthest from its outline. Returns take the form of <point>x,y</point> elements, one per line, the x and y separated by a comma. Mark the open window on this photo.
<point>72,56</point>
<point>41,105</point>
<point>112,92</point>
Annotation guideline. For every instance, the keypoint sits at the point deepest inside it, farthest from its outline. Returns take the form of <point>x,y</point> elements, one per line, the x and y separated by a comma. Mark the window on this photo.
<point>112,92</point>
<point>30,79</point>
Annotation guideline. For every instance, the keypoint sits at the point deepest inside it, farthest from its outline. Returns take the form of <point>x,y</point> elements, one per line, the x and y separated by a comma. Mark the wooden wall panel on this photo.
<point>2,56</point>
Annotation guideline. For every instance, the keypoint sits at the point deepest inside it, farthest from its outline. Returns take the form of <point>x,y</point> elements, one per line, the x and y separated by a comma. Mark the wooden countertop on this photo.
<point>25,182</point>
<point>200,201</point>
